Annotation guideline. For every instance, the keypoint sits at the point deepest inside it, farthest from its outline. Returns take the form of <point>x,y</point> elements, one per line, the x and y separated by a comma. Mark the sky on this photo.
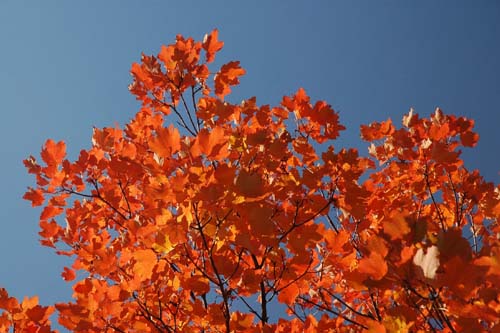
<point>65,68</point>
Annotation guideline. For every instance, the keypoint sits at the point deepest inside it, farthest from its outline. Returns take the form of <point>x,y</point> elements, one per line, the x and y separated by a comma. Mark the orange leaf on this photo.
<point>29,303</point>
<point>212,45</point>
<point>289,294</point>
<point>198,284</point>
<point>105,138</point>
<point>242,321</point>
<point>259,220</point>
<point>53,153</point>
<point>374,265</point>
<point>227,76</point>
<point>209,142</point>
<point>145,262</point>
<point>376,327</point>
<point>50,211</point>
<point>38,314</point>
<point>166,142</point>
<point>49,229</point>
<point>35,196</point>
<point>396,226</point>
<point>376,131</point>
<point>492,262</point>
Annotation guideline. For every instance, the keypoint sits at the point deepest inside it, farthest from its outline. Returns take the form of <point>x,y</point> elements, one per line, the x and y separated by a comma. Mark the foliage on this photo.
<point>202,215</point>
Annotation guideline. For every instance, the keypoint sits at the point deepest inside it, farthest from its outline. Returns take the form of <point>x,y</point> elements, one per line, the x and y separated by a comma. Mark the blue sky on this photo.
<point>65,68</point>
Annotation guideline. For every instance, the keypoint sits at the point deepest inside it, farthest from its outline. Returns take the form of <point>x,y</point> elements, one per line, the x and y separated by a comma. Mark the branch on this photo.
<point>428,184</point>
<point>335,313</point>
<point>188,113</point>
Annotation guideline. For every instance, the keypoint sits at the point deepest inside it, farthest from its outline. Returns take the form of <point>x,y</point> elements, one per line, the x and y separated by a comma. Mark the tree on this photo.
<point>206,225</point>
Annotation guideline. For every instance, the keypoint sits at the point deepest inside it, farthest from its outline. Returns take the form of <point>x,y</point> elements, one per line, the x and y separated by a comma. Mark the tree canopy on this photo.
<point>201,215</point>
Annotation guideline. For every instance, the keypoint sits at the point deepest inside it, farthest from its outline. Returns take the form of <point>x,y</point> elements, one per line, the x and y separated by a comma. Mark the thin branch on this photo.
<point>126,199</point>
<point>375,306</point>
<point>188,113</point>
<point>335,313</point>
<point>250,308</point>
<point>347,305</point>
<point>193,99</point>
<point>428,184</point>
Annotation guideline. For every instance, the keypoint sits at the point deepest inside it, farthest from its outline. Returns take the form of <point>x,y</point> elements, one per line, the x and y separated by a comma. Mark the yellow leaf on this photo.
<point>162,244</point>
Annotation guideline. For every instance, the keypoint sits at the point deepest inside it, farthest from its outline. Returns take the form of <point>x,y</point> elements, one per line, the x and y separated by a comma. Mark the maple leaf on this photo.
<point>374,265</point>
<point>53,153</point>
<point>227,76</point>
<point>50,211</point>
<point>396,226</point>
<point>35,196</point>
<point>145,260</point>
<point>428,262</point>
<point>289,294</point>
<point>209,143</point>
<point>167,141</point>
<point>249,184</point>
<point>212,45</point>
<point>68,274</point>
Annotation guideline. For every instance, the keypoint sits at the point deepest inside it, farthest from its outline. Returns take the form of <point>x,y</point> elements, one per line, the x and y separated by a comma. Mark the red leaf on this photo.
<point>68,274</point>
<point>35,196</point>
<point>249,184</point>
<point>469,139</point>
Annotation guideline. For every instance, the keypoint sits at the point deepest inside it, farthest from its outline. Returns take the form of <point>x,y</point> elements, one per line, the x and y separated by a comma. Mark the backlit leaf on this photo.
<point>212,45</point>
<point>428,261</point>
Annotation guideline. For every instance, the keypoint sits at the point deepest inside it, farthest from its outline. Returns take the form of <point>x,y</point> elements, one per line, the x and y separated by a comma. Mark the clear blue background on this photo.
<point>65,68</point>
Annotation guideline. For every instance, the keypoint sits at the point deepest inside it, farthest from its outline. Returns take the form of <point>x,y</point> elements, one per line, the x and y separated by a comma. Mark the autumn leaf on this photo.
<point>249,184</point>
<point>428,262</point>
<point>396,226</point>
<point>242,320</point>
<point>53,153</point>
<point>35,196</point>
<point>167,142</point>
<point>469,139</point>
<point>227,76</point>
<point>289,294</point>
<point>210,143</point>
<point>212,45</point>
<point>199,285</point>
<point>376,131</point>
<point>105,138</point>
<point>68,274</point>
<point>374,265</point>
<point>145,261</point>
<point>492,262</point>
<point>162,244</point>
<point>50,212</point>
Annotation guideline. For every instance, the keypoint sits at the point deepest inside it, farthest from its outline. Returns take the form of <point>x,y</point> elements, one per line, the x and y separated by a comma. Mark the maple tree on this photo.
<point>201,215</point>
